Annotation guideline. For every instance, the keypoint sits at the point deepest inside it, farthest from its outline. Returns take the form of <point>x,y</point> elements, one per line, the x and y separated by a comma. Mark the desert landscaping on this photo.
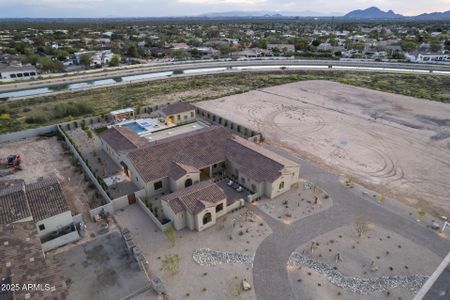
<point>384,141</point>
<point>362,260</point>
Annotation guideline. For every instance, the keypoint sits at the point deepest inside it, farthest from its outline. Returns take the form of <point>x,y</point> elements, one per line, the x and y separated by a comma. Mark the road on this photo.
<point>237,66</point>
<point>270,275</point>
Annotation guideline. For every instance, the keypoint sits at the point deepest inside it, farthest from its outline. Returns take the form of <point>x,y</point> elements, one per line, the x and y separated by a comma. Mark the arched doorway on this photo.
<point>188,182</point>
<point>207,218</point>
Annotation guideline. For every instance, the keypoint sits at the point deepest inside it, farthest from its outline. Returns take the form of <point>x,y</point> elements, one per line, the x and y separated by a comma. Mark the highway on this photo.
<point>90,80</point>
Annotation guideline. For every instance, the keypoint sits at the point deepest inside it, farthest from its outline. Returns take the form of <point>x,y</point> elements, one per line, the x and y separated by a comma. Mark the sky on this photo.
<point>162,8</point>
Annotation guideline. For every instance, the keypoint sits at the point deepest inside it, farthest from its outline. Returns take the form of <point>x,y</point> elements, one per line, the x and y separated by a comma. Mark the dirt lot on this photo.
<point>102,269</point>
<point>395,144</point>
<point>194,281</point>
<point>45,157</point>
<point>378,252</point>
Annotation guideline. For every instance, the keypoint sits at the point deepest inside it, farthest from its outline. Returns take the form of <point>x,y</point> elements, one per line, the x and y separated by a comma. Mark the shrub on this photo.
<point>171,264</point>
<point>36,119</point>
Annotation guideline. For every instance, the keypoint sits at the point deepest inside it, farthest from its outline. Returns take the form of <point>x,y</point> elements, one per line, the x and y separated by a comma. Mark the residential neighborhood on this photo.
<point>251,150</point>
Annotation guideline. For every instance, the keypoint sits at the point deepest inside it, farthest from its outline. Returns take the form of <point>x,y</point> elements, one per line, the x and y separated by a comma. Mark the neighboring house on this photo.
<point>196,207</point>
<point>118,141</point>
<point>428,58</point>
<point>23,262</point>
<point>17,72</point>
<point>41,202</point>
<point>281,47</point>
<point>48,206</point>
<point>13,202</point>
<point>178,113</point>
<point>97,58</point>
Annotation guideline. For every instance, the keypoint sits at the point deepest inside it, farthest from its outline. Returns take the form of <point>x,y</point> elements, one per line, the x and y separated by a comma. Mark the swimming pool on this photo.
<point>135,127</point>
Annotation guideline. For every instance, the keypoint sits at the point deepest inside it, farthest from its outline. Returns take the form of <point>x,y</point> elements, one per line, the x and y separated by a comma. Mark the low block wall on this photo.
<point>152,216</point>
<point>107,208</point>
<point>15,136</point>
<point>61,241</point>
<point>119,203</point>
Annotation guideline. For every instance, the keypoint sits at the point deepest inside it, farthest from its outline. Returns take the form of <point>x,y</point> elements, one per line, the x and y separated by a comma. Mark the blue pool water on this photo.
<point>134,126</point>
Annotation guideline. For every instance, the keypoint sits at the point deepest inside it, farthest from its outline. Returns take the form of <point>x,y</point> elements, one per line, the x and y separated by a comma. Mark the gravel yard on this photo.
<point>297,203</point>
<point>380,263</point>
<point>240,231</point>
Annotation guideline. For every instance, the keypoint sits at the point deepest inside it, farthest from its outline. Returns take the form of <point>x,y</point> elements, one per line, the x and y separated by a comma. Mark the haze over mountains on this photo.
<point>371,13</point>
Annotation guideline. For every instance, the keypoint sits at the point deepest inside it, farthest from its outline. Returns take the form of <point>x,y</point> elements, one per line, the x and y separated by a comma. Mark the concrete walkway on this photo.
<point>270,275</point>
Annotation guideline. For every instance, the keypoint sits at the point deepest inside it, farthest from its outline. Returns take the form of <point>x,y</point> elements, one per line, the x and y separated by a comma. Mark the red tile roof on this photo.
<point>206,147</point>
<point>178,170</point>
<point>177,108</point>
<point>22,262</point>
<point>13,201</point>
<point>123,139</point>
<point>46,199</point>
<point>195,198</point>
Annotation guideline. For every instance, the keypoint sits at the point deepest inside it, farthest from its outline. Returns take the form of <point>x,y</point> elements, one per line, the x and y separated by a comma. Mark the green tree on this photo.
<point>115,61</point>
<point>85,60</point>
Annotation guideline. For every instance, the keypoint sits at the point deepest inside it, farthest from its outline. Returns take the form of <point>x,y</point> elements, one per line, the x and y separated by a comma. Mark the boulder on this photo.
<point>246,285</point>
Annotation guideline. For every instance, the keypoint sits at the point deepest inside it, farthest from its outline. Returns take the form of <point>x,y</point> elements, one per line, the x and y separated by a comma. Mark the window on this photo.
<point>281,186</point>
<point>41,227</point>
<point>178,117</point>
<point>185,117</point>
<point>192,114</point>
<point>157,185</point>
<point>243,180</point>
<point>219,207</point>
<point>188,182</point>
<point>207,218</point>
<point>253,188</point>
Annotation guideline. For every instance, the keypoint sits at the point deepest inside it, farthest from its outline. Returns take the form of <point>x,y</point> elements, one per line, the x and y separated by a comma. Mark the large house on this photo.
<point>179,171</point>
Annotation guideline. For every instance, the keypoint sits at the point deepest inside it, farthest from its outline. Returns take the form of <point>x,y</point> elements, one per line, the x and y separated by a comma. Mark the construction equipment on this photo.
<point>12,165</point>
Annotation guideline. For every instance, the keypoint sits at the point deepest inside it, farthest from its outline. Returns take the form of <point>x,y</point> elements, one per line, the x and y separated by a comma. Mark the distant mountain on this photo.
<point>434,16</point>
<point>267,14</point>
<point>372,13</point>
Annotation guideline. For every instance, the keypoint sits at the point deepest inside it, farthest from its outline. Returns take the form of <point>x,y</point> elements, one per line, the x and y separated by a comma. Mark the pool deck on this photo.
<point>176,130</point>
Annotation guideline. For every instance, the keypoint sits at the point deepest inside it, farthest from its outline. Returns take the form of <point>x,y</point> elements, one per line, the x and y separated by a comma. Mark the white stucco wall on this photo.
<point>54,223</point>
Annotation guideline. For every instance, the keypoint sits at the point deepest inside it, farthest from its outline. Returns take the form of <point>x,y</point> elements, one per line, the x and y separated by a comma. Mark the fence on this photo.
<point>108,206</point>
<point>248,133</point>
<point>61,241</point>
<point>15,136</point>
<point>121,202</point>
<point>152,216</point>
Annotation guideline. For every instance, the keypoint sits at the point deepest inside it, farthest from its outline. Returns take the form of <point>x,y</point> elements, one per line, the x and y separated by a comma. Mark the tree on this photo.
<point>85,60</point>
<point>408,46</point>
<point>132,51</point>
<point>115,61</point>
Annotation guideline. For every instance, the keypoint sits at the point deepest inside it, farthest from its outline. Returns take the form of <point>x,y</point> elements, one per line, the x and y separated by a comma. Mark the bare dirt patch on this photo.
<point>45,157</point>
<point>378,252</point>
<point>395,144</point>
<point>233,232</point>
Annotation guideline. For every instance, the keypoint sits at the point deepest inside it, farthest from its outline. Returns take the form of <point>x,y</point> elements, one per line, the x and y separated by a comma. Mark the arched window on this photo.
<point>188,182</point>
<point>281,186</point>
<point>207,218</point>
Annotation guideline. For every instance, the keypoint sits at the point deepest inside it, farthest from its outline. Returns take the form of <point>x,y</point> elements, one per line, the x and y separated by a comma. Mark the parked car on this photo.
<point>239,189</point>
<point>230,182</point>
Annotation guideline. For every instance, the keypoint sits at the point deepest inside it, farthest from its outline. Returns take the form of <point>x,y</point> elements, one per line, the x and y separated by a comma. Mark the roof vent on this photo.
<point>31,259</point>
<point>8,264</point>
<point>6,243</point>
